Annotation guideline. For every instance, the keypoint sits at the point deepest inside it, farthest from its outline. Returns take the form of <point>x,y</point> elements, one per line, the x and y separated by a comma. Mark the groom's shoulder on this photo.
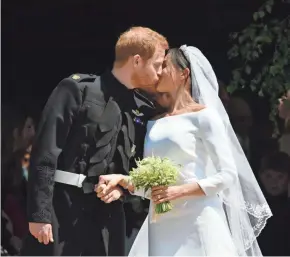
<point>83,81</point>
<point>80,78</point>
<point>87,86</point>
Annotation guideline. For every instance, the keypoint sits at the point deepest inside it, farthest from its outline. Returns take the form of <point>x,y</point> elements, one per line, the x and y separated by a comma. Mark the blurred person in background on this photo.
<point>10,245</point>
<point>242,121</point>
<point>14,183</point>
<point>13,198</point>
<point>274,178</point>
<point>263,142</point>
<point>18,130</point>
<point>284,113</point>
<point>223,94</point>
<point>284,141</point>
<point>284,106</point>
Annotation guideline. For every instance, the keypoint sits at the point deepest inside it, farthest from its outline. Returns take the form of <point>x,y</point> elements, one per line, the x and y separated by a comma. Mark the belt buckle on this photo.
<point>81,180</point>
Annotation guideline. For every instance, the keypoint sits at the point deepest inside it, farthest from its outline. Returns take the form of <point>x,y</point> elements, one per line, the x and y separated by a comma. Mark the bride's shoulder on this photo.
<point>199,110</point>
<point>209,119</point>
<point>193,109</point>
<point>203,114</point>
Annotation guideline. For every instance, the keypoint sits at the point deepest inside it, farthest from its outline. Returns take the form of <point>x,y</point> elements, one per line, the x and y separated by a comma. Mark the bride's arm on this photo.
<point>213,135</point>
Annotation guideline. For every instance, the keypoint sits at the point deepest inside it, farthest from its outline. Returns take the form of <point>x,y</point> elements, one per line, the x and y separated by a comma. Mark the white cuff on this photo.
<point>207,187</point>
<point>141,192</point>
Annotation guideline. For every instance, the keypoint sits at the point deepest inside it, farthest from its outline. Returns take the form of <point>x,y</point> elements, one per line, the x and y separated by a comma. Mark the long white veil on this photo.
<point>244,203</point>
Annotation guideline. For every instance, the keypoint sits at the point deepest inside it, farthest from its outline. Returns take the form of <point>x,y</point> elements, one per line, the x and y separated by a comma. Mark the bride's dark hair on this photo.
<point>180,62</point>
<point>178,59</point>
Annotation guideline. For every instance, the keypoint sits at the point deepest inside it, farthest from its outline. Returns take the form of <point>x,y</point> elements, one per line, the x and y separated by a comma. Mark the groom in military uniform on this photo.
<point>91,125</point>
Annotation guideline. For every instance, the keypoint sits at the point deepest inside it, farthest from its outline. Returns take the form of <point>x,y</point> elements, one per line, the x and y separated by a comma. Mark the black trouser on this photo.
<point>82,225</point>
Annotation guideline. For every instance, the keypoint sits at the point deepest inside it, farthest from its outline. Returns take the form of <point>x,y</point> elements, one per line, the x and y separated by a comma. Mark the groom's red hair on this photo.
<point>138,40</point>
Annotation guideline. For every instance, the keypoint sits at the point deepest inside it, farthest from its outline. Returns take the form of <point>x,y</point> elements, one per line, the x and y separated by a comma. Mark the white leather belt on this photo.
<point>69,178</point>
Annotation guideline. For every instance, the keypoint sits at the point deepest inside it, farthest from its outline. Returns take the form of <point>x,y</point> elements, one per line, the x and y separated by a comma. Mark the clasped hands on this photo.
<point>108,189</point>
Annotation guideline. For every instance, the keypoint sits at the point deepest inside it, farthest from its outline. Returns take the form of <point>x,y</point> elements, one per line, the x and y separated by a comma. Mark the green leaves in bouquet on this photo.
<point>154,171</point>
<point>163,207</point>
<point>261,55</point>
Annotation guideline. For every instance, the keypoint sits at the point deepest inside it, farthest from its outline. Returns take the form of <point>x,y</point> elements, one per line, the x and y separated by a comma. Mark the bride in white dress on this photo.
<point>219,209</point>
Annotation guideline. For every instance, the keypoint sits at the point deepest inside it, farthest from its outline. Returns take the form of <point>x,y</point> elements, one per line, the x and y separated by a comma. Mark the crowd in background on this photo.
<point>268,156</point>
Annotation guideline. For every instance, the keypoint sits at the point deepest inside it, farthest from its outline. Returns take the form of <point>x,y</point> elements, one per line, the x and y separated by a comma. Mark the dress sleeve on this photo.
<point>56,121</point>
<point>214,137</point>
<point>141,192</point>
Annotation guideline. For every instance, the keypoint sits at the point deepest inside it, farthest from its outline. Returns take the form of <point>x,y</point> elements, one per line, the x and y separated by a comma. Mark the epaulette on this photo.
<point>82,77</point>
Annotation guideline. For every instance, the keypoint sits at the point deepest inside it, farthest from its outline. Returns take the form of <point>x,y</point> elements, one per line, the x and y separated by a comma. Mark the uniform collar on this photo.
<point>114,87</point>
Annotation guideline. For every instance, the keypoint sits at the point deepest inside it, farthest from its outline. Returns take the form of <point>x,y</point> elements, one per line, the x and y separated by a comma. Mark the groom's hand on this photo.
<point>110,195</point>
<point>42,232</point>
<point>111,181</point>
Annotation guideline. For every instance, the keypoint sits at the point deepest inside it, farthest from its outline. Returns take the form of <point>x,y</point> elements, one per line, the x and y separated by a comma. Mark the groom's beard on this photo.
<point>144,82</point>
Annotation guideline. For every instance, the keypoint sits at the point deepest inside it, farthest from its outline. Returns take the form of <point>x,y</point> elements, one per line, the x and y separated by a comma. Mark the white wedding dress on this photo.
<point>196,226</point>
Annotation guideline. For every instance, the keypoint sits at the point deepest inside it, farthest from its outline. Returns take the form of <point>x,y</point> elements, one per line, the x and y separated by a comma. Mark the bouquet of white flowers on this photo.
<point>155,171</point>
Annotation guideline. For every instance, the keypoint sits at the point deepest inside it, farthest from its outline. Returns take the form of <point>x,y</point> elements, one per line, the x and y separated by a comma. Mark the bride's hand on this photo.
<point>160,194</point>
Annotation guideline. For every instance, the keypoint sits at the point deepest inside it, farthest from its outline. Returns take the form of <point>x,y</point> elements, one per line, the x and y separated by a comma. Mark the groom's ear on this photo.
<point>136,60</point>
